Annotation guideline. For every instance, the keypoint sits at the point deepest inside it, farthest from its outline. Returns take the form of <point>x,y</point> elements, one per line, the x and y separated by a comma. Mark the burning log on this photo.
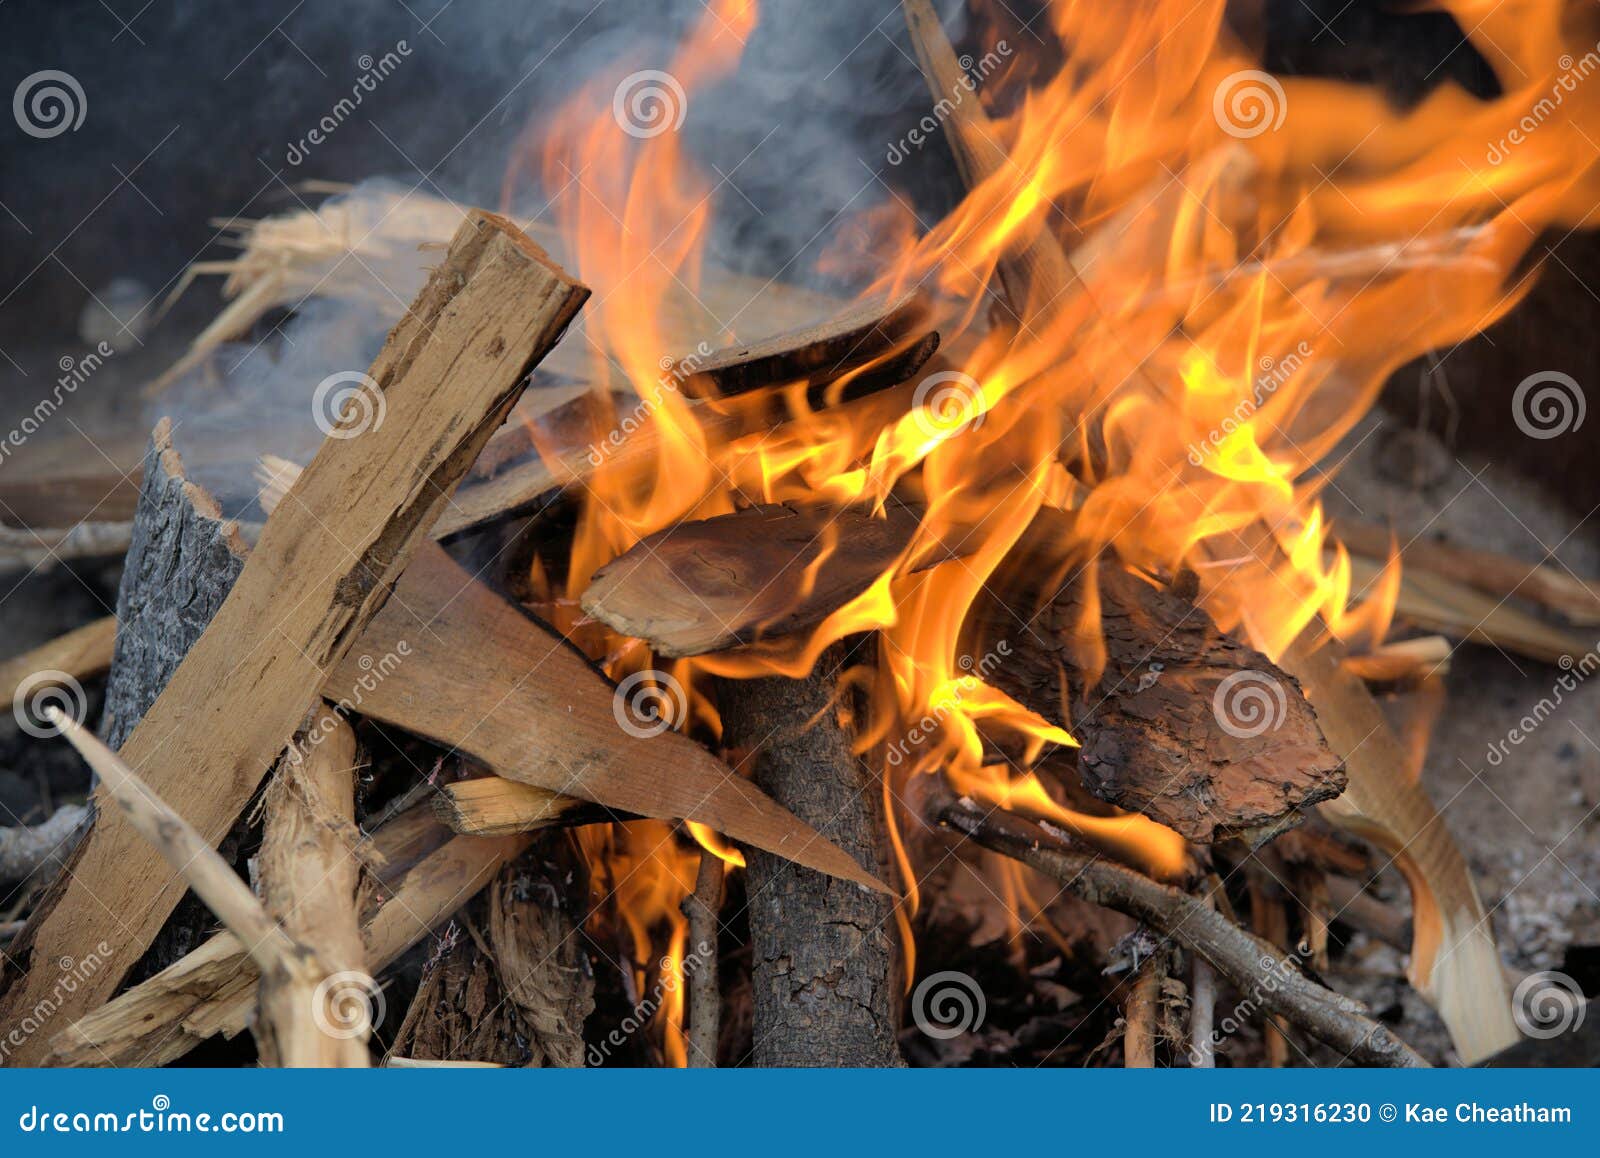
<point>459,665</point>
<point>324,566</point>
<point>869,345</point>
<point>1156,738</point>
<point>1184,724</point>
<point>811,1010</point>
<point>309,879</point>
<point>767,571</point>
<point>212,990</point>
<point>1249,964</point>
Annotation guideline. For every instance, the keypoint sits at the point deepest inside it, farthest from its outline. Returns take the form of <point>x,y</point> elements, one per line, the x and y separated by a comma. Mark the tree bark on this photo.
<point>825,975</point>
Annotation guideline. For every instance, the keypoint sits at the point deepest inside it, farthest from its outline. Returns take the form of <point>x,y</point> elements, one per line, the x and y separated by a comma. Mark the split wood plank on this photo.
<point>326,562</point>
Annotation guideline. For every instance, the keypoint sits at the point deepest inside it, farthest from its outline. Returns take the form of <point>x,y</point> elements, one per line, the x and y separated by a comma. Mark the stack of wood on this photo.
<point>358,747</point>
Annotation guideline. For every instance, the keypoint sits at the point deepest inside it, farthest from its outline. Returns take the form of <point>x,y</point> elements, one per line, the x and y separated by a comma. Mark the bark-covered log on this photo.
<point>181,564</point>
<point>512,986</point>
<point>1184,724</point>
<point>825,973</point>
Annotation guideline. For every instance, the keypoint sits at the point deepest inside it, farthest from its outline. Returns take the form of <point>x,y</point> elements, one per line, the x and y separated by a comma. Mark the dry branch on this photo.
<point>1251,965</point>
<point>293,996</point>
<point>825,977</point>
<point>26,849</point>
<point>29,547</point>
<point>213,989</point>
<point>703,907</point>
<point>325,564</point>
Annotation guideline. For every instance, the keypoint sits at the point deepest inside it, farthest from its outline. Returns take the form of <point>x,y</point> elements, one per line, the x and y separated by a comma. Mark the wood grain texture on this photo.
<point>477,674</point>
<point>325,564</point>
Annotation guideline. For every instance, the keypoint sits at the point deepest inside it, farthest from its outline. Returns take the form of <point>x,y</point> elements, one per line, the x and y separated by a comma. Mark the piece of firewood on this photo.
<point>766,571</point>
<point>309,876</point>
<point>825,972</point>
<point>463,667</point>
<point>183,560</point>
<point>1252,966</point>
<point>1405,661</point>
<point>703,908</point>
<point>491,806</point>
<point>325,564</point>
<point>81,653</point>
<point>1437,602</point>
<point>28,849</point>
<point>1549,585</point>
<point>1142,1012</point>
<point>1454,962</point>
<point>294,994</point>
<point>511,984</point>
<point>213,989</point>
<point>870,342</point>
<point>465,633</point>
<point>43,547</point>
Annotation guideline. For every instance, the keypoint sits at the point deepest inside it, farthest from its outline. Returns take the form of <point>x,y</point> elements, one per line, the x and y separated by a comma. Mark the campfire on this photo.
<point>977,660</point>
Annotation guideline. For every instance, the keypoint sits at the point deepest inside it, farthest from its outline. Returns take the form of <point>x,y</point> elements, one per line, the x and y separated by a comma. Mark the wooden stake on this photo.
<point>703,907</point>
